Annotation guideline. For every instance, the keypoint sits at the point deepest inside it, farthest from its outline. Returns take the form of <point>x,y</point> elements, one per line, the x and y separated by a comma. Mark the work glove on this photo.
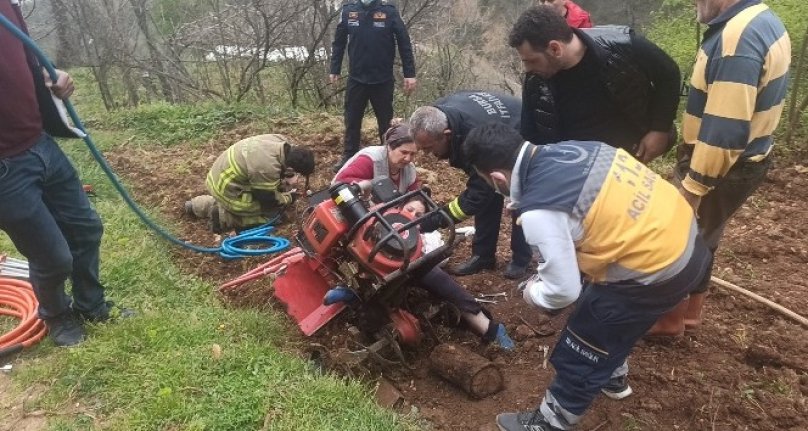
<point>285,198</point>
<point>435,220</point>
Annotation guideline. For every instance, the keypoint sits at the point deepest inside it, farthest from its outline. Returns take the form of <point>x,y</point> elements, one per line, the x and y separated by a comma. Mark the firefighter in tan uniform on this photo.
<point>252,182</point>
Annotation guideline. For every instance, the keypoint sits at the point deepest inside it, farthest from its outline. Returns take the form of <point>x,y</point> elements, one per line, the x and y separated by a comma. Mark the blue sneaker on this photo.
<point>503,340</point>
<point>339,294</point>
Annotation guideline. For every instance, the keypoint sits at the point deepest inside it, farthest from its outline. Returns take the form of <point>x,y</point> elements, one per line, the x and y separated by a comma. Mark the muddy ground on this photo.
<point>746,368</point>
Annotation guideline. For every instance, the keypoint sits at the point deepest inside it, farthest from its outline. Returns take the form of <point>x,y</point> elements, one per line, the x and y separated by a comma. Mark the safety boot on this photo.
<point>695,305</point>
<point>670,324</point>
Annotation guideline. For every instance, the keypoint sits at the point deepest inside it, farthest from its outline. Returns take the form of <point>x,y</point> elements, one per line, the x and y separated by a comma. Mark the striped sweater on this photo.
<point>737,92</point>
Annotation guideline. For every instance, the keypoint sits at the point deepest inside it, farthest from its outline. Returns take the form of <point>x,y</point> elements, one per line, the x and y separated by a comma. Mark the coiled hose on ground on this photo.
<point>17,300</point>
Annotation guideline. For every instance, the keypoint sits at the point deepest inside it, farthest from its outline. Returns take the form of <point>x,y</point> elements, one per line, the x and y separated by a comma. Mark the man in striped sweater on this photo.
<point>737,92</point>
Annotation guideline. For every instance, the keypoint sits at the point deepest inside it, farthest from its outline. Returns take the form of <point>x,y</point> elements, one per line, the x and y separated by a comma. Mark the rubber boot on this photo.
<point>694,308</point>
<point>670,324</point>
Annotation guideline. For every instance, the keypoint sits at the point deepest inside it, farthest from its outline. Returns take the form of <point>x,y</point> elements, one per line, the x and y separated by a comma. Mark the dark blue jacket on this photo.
<point>464,111</point>
<point>371,34</point>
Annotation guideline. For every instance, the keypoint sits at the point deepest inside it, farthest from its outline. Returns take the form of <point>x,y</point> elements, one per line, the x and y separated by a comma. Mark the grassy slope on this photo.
<point>159,370</point>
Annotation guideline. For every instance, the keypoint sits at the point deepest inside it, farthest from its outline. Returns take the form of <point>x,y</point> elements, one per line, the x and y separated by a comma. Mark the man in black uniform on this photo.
<point>441,129</point>
<point>599,84</point>
<point>371,29</point>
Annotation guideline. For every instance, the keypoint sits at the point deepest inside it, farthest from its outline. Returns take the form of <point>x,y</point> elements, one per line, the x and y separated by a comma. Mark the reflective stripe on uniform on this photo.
<point>455,210</point>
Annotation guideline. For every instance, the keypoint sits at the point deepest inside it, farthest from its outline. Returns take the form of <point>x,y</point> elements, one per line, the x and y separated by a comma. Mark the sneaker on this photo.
<point>105,312</point>
<point>503,340</point>
<point>525,421</point>
<point>617,388</point>
<point>65,329</point>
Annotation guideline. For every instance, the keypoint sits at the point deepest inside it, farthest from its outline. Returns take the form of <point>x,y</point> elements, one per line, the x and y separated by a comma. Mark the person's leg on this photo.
<point>33,230</point>
<point>484,242</point>
<point>356,101</point>
<point>520,253</point>
<point>601,332</point>
<point>37,235</point>
<point>715,211</point>
<point>381,99</point>
<point>443,286</point>
<point>81,227</point>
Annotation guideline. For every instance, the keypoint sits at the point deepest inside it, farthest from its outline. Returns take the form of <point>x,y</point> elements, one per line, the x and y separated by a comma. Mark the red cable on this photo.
<point>17,299</point>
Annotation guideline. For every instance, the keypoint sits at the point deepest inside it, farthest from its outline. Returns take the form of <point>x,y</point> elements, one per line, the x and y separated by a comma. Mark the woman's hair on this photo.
<point>397,136</point>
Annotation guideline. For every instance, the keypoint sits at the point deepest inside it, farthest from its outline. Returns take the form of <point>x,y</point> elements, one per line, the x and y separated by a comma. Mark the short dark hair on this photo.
<point>538,26</point>
<point>300,159</point>
<point>493,146</point>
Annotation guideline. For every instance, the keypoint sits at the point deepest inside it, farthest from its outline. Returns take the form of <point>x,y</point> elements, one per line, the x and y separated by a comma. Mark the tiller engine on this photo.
<point>358,256</point>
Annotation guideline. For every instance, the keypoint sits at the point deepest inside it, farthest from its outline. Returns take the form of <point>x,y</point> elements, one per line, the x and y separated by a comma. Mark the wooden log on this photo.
<point>472,373</point>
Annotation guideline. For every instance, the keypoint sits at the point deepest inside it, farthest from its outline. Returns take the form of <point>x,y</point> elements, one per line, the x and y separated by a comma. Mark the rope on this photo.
<point>17,300</point>
<point>45,61</point>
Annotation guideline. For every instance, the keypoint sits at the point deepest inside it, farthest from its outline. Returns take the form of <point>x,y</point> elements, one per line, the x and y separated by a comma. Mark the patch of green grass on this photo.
<point>168,124</point>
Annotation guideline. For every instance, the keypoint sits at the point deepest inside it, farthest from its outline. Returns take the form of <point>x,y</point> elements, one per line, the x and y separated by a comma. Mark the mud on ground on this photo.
<point>744,369</point>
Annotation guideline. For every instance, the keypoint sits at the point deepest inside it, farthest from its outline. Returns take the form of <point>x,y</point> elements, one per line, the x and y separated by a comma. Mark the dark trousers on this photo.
<point>48,217</point>
<point>718,206</point>
<point>357,96</point>
<point>443,286</point>
<point>602,330</point>
<point>486,227</point>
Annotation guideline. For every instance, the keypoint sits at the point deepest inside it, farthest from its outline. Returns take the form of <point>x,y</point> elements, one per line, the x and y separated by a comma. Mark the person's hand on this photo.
<point>396,121</point>
<point>290,182</point>
<point>692,199</point>
<point>333,79</point>
<point>63,87</point>
<point>409,85</point>
<point>652,145</point>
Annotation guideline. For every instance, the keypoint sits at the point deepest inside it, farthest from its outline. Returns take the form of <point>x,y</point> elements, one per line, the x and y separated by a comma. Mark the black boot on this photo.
<point>514,271</point>
<point>474,265</point>
<point>65,329</point>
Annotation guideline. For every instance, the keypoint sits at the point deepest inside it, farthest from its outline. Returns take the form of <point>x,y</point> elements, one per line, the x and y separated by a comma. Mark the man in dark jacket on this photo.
<point>603,84</point>
<point>441,129</point>
<point>371,29</point>
<point>43,208</point>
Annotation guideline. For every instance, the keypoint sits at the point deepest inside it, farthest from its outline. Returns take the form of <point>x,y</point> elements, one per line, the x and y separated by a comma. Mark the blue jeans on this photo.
<point>602,330</point>
<point>48,217</point>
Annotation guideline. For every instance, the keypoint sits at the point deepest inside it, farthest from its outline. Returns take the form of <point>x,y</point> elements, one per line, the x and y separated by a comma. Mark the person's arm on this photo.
<point>559,283</point>
<point>665,75</point>
<point>527,127</point>
<point>338,46</point>
<point>476,196</point>
<point>404,51</point>
<point>63,87</point>
<point>726,123</point>
<point>360,169</point>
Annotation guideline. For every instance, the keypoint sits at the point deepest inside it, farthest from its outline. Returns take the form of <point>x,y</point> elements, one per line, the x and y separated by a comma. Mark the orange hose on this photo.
<point>17,299</point>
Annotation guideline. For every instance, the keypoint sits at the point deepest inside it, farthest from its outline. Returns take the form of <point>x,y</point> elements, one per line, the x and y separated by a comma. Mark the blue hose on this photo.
<point>77,123</point>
